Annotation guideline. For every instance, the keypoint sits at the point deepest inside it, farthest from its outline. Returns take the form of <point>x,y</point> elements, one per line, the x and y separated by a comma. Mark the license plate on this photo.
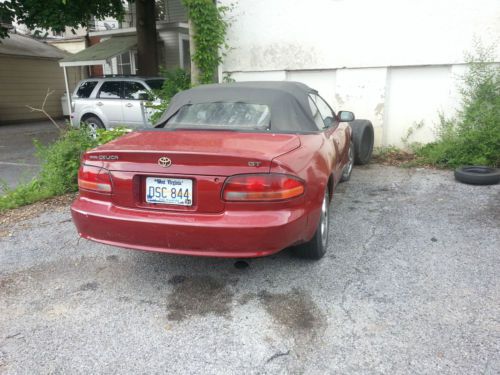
<point>176,191</point>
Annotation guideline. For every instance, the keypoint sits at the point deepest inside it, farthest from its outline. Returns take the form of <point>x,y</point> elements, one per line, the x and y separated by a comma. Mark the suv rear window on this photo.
<point>236,115</point>
<point>155,84</point>
<point>86,89</point>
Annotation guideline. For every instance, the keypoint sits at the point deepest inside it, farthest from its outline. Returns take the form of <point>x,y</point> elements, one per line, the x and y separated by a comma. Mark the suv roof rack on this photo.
<point>113,76</point>
<point>121,76</point>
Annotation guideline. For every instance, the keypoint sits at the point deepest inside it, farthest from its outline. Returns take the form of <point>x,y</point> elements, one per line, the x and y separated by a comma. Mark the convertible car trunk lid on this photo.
<point>204,157</point>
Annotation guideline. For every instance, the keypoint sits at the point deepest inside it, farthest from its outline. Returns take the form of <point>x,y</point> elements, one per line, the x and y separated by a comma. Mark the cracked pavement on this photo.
<point>410,284</point>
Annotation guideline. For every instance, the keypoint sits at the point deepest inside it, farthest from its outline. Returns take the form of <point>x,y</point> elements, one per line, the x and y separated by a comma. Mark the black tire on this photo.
<point>362,137</point>
<point>478,175</point>
<point>316,247</point>
<point>347,171</point>
<point>94,121</point>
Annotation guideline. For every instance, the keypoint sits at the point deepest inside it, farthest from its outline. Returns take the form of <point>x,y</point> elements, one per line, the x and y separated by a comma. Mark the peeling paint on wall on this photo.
<point>339,99</point>
<point>379,110</point>
<point>393,99</point>
<point>265,57</point>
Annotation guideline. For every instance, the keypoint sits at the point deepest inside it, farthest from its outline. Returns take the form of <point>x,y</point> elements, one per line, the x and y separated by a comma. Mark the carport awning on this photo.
<point>99,53</point>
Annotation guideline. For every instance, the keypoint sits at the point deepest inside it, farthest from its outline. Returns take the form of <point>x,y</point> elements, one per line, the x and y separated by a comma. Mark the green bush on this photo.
<point>22,195</point>
<point>472,137</point>
<point>61,160</point>
<point>59,167</point>
<point>175,81</point>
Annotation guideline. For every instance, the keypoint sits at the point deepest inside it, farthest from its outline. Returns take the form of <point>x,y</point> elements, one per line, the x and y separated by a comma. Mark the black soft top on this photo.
<point>287,101</point>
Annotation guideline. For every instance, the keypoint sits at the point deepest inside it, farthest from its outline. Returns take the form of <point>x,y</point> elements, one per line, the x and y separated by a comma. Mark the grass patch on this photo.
<point>59,167</point>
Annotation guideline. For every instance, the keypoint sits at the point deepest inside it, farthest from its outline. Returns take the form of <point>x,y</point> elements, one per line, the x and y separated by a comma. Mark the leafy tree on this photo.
<point>59,14</point>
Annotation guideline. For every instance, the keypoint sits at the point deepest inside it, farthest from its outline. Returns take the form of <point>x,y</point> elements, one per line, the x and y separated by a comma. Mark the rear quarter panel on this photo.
<point>314,162</point>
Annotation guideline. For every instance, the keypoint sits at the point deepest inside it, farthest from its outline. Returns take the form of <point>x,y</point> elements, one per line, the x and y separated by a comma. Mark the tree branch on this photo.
<point>42,109</point>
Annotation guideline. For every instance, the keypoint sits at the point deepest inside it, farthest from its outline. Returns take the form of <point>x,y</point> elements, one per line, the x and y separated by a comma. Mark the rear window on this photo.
<point>155,84</point>
<point>237,115</point>
<point>86,89</point>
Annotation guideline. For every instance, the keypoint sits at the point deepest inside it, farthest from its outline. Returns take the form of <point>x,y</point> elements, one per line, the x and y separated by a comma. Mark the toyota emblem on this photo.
<point>165,162</point>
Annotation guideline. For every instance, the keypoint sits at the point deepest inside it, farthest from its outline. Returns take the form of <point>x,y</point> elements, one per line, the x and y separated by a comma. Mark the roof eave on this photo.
<point>64,64</point>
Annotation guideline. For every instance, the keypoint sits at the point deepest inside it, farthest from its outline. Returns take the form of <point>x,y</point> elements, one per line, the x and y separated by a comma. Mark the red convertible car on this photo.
<point>231,170</point>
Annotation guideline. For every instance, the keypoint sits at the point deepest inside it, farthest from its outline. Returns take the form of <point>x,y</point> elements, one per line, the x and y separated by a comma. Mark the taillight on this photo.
<point>262,187</point>
<point>94,178</point>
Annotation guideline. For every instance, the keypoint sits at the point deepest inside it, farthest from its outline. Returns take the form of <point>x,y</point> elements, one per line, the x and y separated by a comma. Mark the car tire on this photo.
<point>347,171</point>
<point>478,175</point>
<point>362,137</point>
<point>316,248</point>
<point>94,123</point>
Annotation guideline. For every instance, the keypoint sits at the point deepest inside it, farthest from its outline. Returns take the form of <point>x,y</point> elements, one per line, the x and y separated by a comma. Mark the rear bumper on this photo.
<point>241,234</point>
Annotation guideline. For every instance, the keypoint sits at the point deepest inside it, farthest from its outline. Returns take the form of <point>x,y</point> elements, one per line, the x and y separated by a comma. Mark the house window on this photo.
<point>124,65</point>
<point>185,55</point>
<point>133,62</point>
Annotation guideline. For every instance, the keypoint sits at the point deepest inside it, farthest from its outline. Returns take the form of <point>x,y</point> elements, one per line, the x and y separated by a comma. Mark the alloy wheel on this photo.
<point>324,220</point>
<point>350,163</point>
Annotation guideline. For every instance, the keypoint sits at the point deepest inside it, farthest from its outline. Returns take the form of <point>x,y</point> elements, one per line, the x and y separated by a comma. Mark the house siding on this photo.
<point>171,49</point>
<point>25,81</point>
<point>176,12</point>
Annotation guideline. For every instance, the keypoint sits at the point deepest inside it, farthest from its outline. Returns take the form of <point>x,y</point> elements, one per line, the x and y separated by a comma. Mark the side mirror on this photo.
<point>144,96</point>
<point>345,116</point>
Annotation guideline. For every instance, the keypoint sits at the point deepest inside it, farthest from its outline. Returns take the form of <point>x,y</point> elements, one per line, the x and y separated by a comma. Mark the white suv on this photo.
<point>108,102</point>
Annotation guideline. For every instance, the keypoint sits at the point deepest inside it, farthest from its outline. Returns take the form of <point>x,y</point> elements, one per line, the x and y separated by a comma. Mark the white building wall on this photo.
<point>391,61</point>
<point>363,91</point>
<point>416,95</point>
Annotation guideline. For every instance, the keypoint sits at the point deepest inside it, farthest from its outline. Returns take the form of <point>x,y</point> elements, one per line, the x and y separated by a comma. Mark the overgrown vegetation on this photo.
<point>472,137</point>
<point>59,167</point>
<point>210,25</point>
<point>175,81</point>
<point>406,139</point>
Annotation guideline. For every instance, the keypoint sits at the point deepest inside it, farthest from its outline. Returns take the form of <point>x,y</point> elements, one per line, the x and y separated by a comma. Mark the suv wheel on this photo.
<point>94,123</point>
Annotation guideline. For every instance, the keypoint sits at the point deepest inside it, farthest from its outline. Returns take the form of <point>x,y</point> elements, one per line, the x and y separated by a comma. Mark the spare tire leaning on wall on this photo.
<point>362,137</point>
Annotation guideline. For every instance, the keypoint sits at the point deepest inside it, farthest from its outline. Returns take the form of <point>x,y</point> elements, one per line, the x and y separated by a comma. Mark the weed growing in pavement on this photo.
<point>391,155</point>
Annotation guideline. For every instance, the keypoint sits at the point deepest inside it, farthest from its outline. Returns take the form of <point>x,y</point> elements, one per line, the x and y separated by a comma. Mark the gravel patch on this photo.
<point>410,284</point>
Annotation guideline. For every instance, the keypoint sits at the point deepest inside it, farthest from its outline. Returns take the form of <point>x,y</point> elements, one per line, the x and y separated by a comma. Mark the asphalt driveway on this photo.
<point>17,152</point>
<point>410,284</point>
